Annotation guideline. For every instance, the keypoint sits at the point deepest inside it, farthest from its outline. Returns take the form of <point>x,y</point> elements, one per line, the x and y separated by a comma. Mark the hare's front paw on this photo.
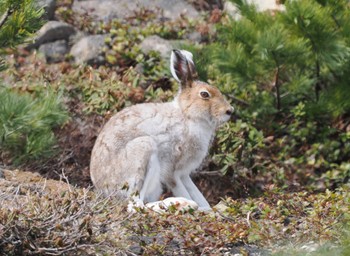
<point>135,203</point>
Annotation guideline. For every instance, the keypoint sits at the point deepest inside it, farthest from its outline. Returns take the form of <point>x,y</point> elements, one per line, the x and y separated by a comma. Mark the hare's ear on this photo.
<point>182,67</point>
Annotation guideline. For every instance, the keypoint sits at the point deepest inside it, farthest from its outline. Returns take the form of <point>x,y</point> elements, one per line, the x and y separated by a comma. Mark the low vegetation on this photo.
<point>53,218</point>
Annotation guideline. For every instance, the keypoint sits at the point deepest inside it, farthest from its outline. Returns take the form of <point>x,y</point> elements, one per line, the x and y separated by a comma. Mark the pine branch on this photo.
<point>337,23</point>
<point>18,20</point>
<point>2,64</point>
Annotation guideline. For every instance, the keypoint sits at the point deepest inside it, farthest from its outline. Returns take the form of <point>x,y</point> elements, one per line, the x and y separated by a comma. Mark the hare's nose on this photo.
<point>229,111</point>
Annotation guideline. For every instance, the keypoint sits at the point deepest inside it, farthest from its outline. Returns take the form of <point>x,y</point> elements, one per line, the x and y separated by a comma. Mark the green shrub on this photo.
<point>285,73</point>
<point>26,124</point>
<point>237,144</point>
<point>300,54</point>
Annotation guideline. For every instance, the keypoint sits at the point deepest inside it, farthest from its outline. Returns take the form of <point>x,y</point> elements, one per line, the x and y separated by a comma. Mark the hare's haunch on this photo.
<point>147,146</point>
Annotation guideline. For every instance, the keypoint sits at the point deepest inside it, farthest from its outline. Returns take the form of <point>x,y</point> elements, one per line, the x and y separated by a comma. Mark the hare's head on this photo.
<point>198,100</point>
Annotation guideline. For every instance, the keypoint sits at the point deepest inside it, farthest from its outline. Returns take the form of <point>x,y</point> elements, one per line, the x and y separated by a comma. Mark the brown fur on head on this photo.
<point>204,101</point>
<point>197,99</point>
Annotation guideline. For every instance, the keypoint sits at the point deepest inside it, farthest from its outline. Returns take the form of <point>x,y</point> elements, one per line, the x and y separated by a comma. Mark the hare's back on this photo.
<point>149,119</point>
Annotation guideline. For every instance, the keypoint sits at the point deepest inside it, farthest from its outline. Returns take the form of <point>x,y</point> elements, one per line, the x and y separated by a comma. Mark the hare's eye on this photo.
<point>204,94</point>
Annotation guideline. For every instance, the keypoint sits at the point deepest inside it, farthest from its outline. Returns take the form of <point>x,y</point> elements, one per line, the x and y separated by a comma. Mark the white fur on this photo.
<point>180,203</point>
<point>147,146</point>
<point>152,186</point>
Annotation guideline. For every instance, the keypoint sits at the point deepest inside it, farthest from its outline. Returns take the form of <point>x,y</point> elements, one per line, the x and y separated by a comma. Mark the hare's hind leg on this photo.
<point>152,187</point>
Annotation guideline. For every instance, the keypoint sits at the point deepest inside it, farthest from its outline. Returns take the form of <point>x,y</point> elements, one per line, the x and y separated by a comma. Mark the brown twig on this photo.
<point>5,16</point>
<point>277,86</point>
<point>208,173</point>
<point>318,83</point>
<point>240,101</point>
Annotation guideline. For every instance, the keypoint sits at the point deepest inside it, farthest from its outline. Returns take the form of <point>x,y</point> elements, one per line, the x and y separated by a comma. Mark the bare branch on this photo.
<point>240,101</point>
<point>5,16</point>
<point>277,87</point>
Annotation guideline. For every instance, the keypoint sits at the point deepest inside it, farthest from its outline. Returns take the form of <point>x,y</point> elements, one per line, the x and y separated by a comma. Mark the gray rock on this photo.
<point>52,31</point>
<point>156,43</point>
<point>55,51</point>
<point>109,9</point>
<point>89,50</point>
<point>194,37</point>
<point>136,249</point>
<point>1,173</point>
<point>261,6</point>
<point>232,10</point>
<point>76,37</point>
<point>49,7</point>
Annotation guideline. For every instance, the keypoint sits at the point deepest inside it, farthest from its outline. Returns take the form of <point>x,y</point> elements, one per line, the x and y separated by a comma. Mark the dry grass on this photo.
<point>46,217</point>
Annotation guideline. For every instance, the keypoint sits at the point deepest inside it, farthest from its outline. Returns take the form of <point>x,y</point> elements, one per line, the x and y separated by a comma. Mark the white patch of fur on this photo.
<point>204,133</point>
<point>135,202</point>
<point>152,187</point>
<point>180,203</point>
<point>172,68</point>
<point>188,55</point>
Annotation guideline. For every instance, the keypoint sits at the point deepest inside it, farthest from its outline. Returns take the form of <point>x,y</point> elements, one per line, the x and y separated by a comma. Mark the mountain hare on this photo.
<point>147,146</point>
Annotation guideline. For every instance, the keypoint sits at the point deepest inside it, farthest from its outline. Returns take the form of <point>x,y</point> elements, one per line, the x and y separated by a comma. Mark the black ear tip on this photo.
<point>177,53</point>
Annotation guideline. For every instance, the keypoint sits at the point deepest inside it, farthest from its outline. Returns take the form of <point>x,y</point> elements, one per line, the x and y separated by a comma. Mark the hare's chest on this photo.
<point>193,148</point>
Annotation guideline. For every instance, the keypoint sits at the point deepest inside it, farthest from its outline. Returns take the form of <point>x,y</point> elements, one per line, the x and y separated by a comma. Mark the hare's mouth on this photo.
<point>224,118</point>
